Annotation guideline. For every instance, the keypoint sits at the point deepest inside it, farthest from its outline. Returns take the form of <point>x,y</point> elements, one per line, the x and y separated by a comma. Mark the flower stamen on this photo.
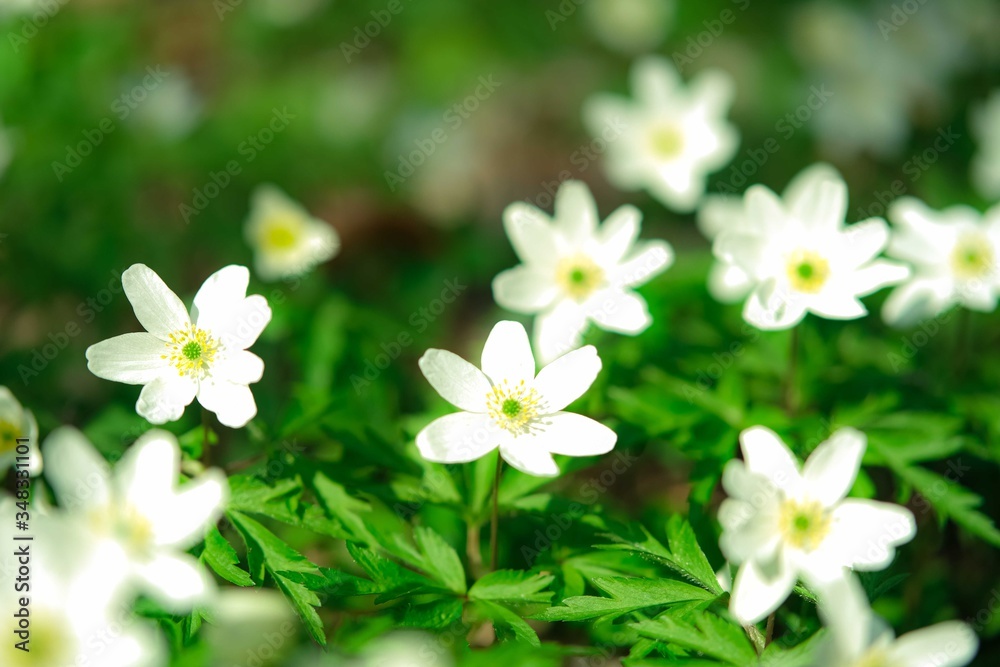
<point>9,433</point>
<point>579,276</point>
<point>972,257</point>
<point>514,408</point>
<point>191,351</point>
<point>807,271</point>
<point>804,525</point>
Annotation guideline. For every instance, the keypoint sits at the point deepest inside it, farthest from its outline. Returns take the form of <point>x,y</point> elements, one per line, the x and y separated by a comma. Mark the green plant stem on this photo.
<point>495,516</point>
<point>791,394</point>
<point>206,451</point>
<point>473,550</point>
<point>769,632</point>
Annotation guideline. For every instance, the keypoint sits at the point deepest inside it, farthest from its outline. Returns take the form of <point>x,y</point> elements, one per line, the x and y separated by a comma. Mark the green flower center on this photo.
<point>9,433</point>
<point>973,257</point>
<point>514,408</point>
<point>803,524</point>
<point>281,233</point>
<point>874,658</point>
<point>807,271</point>
<point>579,276</point>
<point>667,141</point>
<point>511,407</point>
<point>192,350</point>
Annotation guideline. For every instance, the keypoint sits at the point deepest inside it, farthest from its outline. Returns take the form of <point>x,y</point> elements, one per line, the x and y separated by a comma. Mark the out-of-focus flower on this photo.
<point>170,109</point>
<point>575,272</point>
<point>140,510</point>
<point>287,241</point>
<point>406,649</point>
<point>204,354</point>
<point>630,26</point>
<point>674,135</point>
<point>986,163</point>
<point>954,253</point>
<point>801,258</point>
<point>781,522</point>
<point>858,638</point>
<point>251,626</point>
<point>16,422</point>
<point>506,405</point>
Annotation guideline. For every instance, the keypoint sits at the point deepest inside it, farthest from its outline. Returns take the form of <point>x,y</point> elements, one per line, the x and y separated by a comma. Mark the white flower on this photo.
<point>574,272</point>
<point>986,163</point>
<point>630,26</point>
<point>781,523</point>
<point>954,253</point>
<point>673,137</point>
<point>800,257</point>
<point>858,638</point>
<point>140,511</point>
<point>16,422</point>
<point>506,405</point>
<point>204,354</point>
<point>286,240</point>
<point>76,616</point>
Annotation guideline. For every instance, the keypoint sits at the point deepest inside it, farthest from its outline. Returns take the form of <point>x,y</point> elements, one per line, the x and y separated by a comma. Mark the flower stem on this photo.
<point>769,632</point>
<point>791,394</point>
<point>206,451</point>
<point>495,517</point>
<point>473,550</point>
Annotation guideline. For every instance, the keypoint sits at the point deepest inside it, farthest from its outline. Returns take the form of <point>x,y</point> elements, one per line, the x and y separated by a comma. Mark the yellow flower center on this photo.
<point>972,257</point>
<point>281,233</point>
<point>126,525</point>
<point>667,141</point>
<point>513,408</point>
<point>51,643</point>
<point>9,433</point>
<point>874,658</point>
<point>191,351</point>
<point>807,271</point>
<point>579,276</point>
<point>803,525</point>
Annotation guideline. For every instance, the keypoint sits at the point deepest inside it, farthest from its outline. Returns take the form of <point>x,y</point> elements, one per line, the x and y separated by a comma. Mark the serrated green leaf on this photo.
<point>440,560</point>
<point>344,508</point>
<point>304,601</point>
<point>708,634</point>
<point>392,579</point>
<point>627,595</point>
<point>222,558</point>
<point>507,624</point>
<point>334,583</point>
<point>435,615</point>
<point>512,587</point>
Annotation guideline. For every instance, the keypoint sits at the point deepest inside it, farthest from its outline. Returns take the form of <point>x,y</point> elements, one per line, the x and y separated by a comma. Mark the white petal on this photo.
<point>559,330</point>
<point>158,309</point>
<point>232,403</point>
<point>713,90</point>
<point>241,367</point>
<point>837,305</point>
<point>520,453</point>
<point>79,476</point>
<point>845,610</point>
<point>618,233</point>
<point>765,454</point>
<point>719,213</point>
<point>744,249</point>
<point>575,212</point>
<point>880,273</point>
<point>750,534</point>
<point>917,300</point>
<point>132,358</point>
<point>647,259</point>
<point>865,240</point>
<point>525,289</point>
<point>616,310</point>
<point>568,377</point>
<point>458,438</point>
<point>771,309</point>
<point>831,469</point>
<point>571,434</point>
<point>531,234</point>
<point>654,81</point>
<point>148,471</point>
<point>728,283</point>
<point>865,533</point>
<point>10,408</point>
<point>223,307</point>
<point>456,380</point>
<point>824,208</point>
<point>181,522</point>
<point>164,399</point>
<point>802,189</point>
<point>178,582</point>
<point>507,354</point>
<point>758,591</point>
<point>948,644</point>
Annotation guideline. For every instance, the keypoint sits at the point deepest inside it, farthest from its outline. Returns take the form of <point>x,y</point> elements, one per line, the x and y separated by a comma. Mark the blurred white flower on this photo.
<point>406,649</point>
<point>858,638</point>
<point>630,26</point>
<point>506,405</point>
<point>674,135</point>
<point>954,253</point>
<point>140,511</point>
<point>251,626</point>
<point>286,240</point>
<point>800,257</point>
<point>204,354</point>
<point>16,422</point>
<point>171,109</point>
<point>781,523</point>
<point>985,124</point>
<point>575,272</point>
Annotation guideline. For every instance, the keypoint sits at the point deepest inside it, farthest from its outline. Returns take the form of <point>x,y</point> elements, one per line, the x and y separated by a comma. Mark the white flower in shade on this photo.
<point>801,258</point>
<point>15,423</point>
<point>954,253</point>
<point>203,355</point>
<point>286,240</point>
<point>986,163</point>
<point>140,511</point>
<point>858,638</point>
<point>506,405</point>
<point>782,523</point>
<point>674,135</point>
<point>575,272</point>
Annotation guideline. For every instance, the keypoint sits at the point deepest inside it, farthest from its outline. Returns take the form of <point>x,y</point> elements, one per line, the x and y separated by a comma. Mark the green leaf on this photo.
<point>802,655</point>
<point>507,624</point>
<point>437,615</point>
<point>392,579</point>
<point>304,601</point>
<point>627,595</point>
<point>222,558</point>
<point>512,587</point>
<point>334,583</point>
<point>707,634</point>
<point>345,509</point>
<point>440,559</point>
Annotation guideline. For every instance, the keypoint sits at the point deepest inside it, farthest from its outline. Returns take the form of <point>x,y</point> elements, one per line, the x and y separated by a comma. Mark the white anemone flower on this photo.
<point>954,253</point>
<point>574,271</point>
<point>800,256</point>
<point>181,357</point>
<point>782,523</point>
<point>17,423</point>
<point>287,241</point>
<point>76,616</point>
<point>674,135</point>
<point>140,510</point>
<point>506,405</point>
<point>986,162</point>
<point>858,638</point>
